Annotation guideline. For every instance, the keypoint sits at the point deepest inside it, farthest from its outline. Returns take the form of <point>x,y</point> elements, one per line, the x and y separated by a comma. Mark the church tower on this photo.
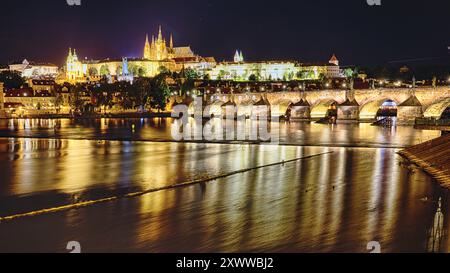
<point>157,50</point>
<point>238,57</point>
<point>147,49</point>
<point>75,70</point>
<point>334,60</point>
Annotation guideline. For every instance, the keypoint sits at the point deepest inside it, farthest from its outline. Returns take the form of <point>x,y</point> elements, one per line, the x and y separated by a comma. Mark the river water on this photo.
<point>354,189</point>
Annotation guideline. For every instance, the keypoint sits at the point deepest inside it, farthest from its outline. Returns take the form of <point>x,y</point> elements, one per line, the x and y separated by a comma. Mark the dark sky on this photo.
<point>305,30</point>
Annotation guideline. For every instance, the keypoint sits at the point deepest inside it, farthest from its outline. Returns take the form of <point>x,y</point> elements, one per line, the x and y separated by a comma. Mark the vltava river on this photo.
<point>356,189</point>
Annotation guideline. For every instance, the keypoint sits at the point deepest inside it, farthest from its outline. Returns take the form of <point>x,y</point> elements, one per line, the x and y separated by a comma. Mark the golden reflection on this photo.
<point>391,194</point>
<point>336,205</point>
<point>152,208</point>
<point>436,232</point>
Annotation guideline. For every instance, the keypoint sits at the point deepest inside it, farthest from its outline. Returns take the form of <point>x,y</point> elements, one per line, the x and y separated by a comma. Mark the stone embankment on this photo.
<point>433,157</point>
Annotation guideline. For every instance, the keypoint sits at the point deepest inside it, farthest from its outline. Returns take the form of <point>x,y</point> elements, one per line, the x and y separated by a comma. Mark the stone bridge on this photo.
<point>411,103</point>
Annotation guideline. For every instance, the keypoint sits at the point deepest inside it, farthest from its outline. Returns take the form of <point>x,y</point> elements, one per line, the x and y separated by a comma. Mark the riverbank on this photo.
<point>433,157</point>
<point>92,116</point>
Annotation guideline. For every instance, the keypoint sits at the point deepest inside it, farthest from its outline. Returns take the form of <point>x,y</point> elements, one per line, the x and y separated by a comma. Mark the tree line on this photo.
<point>142,94</point>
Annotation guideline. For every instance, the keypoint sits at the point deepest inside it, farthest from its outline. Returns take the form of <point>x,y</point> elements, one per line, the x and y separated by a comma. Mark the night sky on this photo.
<point>304,30</point>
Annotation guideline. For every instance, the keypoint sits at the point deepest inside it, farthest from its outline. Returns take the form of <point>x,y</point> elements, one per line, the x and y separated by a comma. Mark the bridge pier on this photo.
<point>409,110</point>
<point>433,100</point>
<point>348,111</point>
<point>301,110</point>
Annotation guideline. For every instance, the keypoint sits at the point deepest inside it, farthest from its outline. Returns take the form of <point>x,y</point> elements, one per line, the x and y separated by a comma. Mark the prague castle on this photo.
<point>158,54</point>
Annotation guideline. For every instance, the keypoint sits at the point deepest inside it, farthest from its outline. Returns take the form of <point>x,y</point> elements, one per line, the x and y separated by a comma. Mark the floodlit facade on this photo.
<point>31,70</point>
<point>239,70</point>
<point>156,55</point>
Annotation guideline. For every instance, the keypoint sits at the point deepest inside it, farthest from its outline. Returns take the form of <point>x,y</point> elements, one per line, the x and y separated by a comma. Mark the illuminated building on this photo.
<point>334,60</point>
<point>158,49</point>
<point>75,69</point>
<point>34,70</point>
<point>238,57</point>
<point>156,55</point>
<point>239,70</point>
<point>42,86</point>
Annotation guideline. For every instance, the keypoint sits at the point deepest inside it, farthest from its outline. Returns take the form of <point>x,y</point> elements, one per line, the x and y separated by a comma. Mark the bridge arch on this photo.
<point>280,107</point>
<point>437,109</point>
<point>320,109</point>
<point>369,110</point>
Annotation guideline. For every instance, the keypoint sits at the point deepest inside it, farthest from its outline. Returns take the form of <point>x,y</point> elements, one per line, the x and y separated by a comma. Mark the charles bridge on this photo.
<point>354,105</point>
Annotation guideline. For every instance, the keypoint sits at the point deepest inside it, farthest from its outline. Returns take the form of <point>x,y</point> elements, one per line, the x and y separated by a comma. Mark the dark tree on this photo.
<point>11,79</point>
<point>252,78</point>
<point>160,92</point>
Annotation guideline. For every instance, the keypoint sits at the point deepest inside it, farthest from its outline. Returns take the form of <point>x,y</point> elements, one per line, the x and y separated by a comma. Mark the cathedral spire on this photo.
<point>160,34</point>
<point>146,48</point>
<point>236,56</point>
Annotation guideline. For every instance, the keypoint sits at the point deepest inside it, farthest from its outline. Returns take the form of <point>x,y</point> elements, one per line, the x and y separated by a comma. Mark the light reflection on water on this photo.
<point>336,202</point>
<point>159,129</point>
